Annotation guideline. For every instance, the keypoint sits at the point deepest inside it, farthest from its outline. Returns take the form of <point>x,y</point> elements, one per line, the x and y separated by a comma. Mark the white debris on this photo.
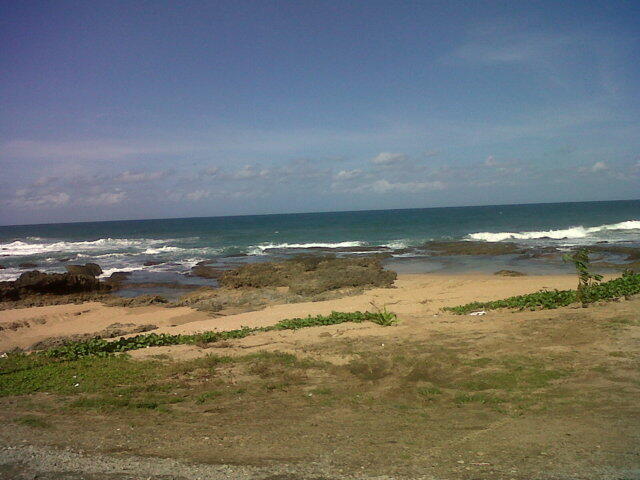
<point>481,312</point>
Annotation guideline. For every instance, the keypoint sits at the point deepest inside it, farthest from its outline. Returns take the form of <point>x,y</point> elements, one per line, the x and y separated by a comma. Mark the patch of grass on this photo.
<point>108,402</point>
<point>624,286</point>
<point>101,347</point>
<point>476,398</point>
<point>622,322</point>
<point>515,374</point>
<point>429,391</point>
<point>369,368</point>
<point>86,375</point>
<point>32,421</point>
<point>322,391</point>
<point>205,397</point>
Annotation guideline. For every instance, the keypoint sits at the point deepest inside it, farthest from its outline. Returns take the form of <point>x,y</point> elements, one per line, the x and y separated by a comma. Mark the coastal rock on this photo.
<point>118,277</point>
<point>205,271</point>
<point>38,283</point>
<point>2,267</point>
<point>473,248</point>
<point>92,269</point>
<point>510,273</point>
<point>27,265</point>
<point>151,263</point>
<point>139,301</point>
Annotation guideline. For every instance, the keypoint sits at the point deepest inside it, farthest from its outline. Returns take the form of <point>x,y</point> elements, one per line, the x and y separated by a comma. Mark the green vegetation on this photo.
<point>101,347</point>
<point>624,286</point>
<point>32,421</point>
<point>586,279</point>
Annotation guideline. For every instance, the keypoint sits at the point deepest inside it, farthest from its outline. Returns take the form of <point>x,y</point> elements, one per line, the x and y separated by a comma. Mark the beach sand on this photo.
<point>417,295</point>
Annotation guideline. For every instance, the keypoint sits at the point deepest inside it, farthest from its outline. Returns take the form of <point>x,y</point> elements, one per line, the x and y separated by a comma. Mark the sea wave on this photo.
<point>20,248</point>
<point>262,248</point>
<point>576,232</point>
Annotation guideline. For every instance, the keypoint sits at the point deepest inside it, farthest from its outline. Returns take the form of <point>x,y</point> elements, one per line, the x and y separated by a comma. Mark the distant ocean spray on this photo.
<point>176,245</point>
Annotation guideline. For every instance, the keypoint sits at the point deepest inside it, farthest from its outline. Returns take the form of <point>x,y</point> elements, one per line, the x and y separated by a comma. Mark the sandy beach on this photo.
<point>417,296</point>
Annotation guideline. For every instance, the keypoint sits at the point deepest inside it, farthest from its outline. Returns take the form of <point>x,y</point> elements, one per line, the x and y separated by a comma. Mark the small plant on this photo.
<point>586,279</point>
<point>384,317</point>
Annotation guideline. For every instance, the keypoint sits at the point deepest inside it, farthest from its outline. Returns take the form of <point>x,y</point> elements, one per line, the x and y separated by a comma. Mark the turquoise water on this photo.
<point>180,243</point>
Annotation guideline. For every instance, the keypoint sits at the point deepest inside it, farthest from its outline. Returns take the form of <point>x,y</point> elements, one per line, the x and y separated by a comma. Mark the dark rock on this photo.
<point>2,267</point>
<point>119,276</point>
<point>151,263</point>
<point>63,260</point>
<point>91,269</point>
<point>207,262</point>
<point>27,265</point>
<point>139,301</point>
<point>473,248</point>
<point>205,271</point>
<point>510,273</point>
<point>39,283</point>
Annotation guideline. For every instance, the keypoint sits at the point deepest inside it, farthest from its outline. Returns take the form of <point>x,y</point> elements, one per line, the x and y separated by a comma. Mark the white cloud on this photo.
<point>136,177</point>
<point>491,161</point>
<point>248,172</point>
<point>384,186</point>
<point>348,174</point>
<point>197,195</point>
<point>388,158</point>
<point>599,167</point>
<point>27,199</point>
<point>104,199</point>
<point>44,181</point>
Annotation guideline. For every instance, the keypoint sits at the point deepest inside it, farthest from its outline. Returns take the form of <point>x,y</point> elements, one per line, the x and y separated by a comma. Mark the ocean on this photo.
<point>174,246</point>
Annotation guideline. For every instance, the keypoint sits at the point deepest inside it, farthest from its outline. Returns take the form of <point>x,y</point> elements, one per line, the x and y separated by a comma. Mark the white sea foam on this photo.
<point>398,244</point>
<point>20,248</point>
<point>568,233</point>
<point>260,249</point>
<point>165,249</point>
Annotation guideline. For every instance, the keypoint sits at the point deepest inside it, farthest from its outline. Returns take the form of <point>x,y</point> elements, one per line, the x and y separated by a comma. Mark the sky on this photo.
<point>156,109</point>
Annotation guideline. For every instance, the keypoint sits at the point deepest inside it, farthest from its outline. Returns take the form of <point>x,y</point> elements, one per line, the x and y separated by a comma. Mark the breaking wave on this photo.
<point>20,248</point>
<point>261,249</point>
<point>568,233</point>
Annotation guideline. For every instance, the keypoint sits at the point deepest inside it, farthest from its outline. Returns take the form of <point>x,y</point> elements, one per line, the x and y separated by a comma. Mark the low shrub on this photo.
<point>624,286</point>
<point>101,347</point>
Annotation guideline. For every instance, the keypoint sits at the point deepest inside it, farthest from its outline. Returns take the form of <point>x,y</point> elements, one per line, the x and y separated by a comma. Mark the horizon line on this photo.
<point>315,212</point>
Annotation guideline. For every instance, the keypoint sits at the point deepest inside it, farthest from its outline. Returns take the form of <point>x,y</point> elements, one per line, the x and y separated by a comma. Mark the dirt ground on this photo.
<point>509,395</point>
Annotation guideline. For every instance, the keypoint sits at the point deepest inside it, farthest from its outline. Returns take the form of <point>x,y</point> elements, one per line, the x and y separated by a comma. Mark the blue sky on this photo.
<point>117,110</point>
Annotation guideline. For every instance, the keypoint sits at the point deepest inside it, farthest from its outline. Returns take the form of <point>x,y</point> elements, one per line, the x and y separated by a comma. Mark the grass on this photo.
<point>624,286</point>
<point>32,421</point>
<point>477,398</point>
<point>102,347</point>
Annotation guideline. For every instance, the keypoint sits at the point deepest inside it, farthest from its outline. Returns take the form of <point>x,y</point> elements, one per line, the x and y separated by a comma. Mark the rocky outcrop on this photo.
<point>118,277</point>
<point>27,265</point>
<point>38,283</point>
<point>205,271</point>
<point>509,273</point>
<point>91,269</point>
